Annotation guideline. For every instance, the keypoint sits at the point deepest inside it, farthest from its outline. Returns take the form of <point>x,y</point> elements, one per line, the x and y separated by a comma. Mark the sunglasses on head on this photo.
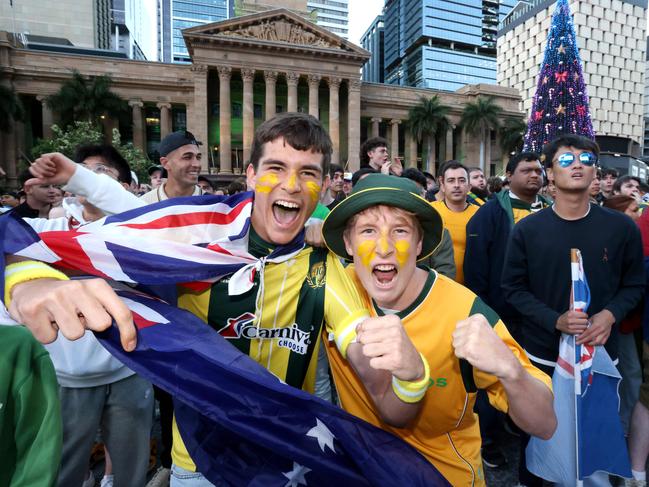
<point>586,158</point>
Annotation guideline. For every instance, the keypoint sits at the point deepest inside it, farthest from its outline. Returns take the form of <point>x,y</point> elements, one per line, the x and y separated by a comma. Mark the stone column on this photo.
<point>165,119</point>
<point>225,151</point>
<point>197,123</point>
<point>9,155</point>
<point>292,80</point>
<point>354,123</point>
<point>271,102</point>
<point>411,144</point>
<point>248,76</point>
<point>139,134</point>
<point>375,126</point>
<point>48,117</point>
<point>449,143</point>
<point>334,118</point>
<point>394,142</point>
<point>314,101</point>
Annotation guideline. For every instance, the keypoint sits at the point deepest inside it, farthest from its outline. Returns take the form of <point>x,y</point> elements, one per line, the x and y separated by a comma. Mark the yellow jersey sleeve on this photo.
<point>495,390</point>
<point>344,308</point>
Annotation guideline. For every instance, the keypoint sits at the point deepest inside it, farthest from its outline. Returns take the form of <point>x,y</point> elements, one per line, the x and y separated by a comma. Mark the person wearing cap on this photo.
<point>9,199</point>
<point>180,156</point>
<point>385,227</point>
<point>347,183</point>
<point>157,176</point>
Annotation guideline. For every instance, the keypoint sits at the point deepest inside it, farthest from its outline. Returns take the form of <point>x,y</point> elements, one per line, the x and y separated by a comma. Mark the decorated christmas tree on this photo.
<point>560,104</point>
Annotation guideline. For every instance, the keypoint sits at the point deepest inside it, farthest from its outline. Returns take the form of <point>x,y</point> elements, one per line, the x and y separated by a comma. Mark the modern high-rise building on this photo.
<point>176,15</point>
<point>372,41</point>
<point>333,15</point>
<point>124,26</point>
<point>134,28</point>
<point>442,44</point>
<point>612,41</point>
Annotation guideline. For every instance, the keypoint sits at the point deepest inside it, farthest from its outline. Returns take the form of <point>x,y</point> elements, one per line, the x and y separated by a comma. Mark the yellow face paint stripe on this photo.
<point>367,252</point>
<point>314,190</point>
<point>266,183</point>
<point>403,251</point>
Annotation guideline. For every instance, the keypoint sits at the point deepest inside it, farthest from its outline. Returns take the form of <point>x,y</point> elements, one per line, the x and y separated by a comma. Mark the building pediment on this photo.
<point>275,29</point>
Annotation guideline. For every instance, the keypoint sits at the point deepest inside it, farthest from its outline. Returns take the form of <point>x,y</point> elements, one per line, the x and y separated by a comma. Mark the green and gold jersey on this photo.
<point>446,430</point>
<point>280,331</point>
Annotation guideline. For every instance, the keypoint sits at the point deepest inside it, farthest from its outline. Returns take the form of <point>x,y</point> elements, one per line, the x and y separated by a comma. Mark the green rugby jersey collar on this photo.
<point>428,285</point>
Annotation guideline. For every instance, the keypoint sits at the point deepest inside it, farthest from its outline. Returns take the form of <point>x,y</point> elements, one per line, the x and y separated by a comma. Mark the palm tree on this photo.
<point>511,135</point>
<point>425,121</point>
<point>86,99</point>
<point>11,108</point>
<point>480,118</point>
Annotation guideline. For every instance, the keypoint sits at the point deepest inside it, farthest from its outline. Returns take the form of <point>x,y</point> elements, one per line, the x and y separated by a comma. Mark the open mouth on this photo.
<point>384,274</point>
<point>285,212</point>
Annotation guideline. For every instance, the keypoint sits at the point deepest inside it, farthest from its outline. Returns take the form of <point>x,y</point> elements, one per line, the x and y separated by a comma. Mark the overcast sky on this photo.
<point>361,15</point>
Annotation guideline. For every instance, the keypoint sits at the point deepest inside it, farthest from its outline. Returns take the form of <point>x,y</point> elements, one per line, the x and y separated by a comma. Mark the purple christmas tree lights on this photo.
<point>560,104</point>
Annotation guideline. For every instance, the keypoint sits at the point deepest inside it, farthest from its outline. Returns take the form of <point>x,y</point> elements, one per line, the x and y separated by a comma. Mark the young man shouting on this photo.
<point>386,227</point>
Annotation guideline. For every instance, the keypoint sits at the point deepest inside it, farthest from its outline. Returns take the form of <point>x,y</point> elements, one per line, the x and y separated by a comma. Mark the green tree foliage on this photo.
<point>479,118</point>
<point>511,135</point>
<point>67,140</point>
<point>11,108</point>
<point>86,99</point>
<point>425,121</point>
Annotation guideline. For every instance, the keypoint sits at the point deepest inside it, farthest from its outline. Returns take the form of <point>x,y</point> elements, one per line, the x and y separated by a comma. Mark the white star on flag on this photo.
<point>296,476</point>
<point>321,433</point>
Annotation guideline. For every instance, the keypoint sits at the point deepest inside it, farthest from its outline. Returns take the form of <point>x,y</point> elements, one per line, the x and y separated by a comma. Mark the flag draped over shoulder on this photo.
<point>241,425</point>
<point>589,436</point>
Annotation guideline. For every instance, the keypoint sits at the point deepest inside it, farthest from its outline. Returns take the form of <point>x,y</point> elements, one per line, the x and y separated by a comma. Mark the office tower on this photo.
<point>373,40</point>
<point>442,44</point>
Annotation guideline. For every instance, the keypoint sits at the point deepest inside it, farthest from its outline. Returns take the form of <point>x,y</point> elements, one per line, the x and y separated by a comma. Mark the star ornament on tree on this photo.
<point>561,110</point>
<point>561,49</point>
<point>321,433</point>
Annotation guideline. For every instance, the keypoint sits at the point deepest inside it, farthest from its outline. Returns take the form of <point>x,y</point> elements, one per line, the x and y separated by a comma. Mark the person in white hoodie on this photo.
<point>96,390</point>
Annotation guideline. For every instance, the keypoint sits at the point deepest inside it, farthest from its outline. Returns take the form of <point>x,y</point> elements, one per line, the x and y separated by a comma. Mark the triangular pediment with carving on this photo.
<point>279,27</point>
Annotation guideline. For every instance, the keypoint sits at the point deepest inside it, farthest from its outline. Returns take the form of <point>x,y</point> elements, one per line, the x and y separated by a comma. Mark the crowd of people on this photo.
<point>435,312</point>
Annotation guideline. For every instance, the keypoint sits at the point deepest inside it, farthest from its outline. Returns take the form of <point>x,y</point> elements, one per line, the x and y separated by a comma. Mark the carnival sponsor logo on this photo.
<point>243,326</point>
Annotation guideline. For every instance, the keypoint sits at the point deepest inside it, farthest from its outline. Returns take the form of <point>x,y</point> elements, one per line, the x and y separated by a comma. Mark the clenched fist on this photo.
<point>385,342</point>
<point>475,341</point>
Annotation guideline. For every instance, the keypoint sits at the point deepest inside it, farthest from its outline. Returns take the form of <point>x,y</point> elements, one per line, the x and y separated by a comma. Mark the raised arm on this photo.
<point>390,368</point>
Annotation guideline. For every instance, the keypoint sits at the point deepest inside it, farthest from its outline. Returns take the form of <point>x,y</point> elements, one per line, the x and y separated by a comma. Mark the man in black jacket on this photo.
<point>487,235</point>
<point>537,271</point>
<point>489,229</point>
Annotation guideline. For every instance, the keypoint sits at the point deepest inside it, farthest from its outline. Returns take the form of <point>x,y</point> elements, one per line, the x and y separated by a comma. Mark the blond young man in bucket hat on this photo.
<point>385,227</point>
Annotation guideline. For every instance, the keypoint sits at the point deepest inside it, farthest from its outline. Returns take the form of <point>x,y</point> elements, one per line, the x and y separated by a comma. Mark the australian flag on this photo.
<point>589,436</point>
<point>241,425</point>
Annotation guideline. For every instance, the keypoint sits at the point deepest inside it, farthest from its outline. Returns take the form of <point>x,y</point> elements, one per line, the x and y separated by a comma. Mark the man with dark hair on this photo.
<point>105,157</point>
<point>454,209</point>
<point>375,155</point>
<point>9,199</point>
<point>479,193</point>
<point>205,184</point>
<point>537,271</point>
<point>180,156</point>
<point>39,198</point>
<point>487,236</point>
<point>609,176</point>
<point>430,181</point>
<point>334,193</point>
<point>628,186</point>
<point>417,176</point>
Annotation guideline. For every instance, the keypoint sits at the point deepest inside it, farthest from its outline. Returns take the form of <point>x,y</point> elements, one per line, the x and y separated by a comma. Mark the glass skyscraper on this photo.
<point>442,44</point>
<point>176,15</point>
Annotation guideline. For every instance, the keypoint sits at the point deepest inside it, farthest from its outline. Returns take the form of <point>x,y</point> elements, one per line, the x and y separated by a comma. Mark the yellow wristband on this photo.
<point>412,391</point>
<point>28,270</point>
